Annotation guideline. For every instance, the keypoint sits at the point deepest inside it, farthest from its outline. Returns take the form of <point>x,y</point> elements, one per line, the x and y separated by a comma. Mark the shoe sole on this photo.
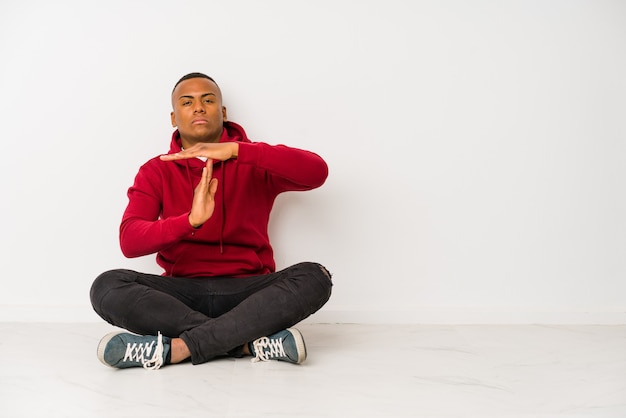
<point>102,345</point>
<point>300,345</point>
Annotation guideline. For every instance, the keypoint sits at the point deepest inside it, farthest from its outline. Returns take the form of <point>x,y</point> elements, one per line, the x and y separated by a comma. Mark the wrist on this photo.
<point>193,224</point>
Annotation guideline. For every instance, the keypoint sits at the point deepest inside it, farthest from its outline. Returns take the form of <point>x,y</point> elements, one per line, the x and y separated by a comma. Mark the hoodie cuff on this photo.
<point>179,226</point>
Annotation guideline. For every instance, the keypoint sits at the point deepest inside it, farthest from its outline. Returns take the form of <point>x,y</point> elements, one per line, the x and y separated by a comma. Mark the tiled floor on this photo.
<point>51,370</point>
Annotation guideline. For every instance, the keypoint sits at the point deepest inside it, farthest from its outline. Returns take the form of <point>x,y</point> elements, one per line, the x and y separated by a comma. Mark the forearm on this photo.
<point>301,169</point>
<point>139,237</point>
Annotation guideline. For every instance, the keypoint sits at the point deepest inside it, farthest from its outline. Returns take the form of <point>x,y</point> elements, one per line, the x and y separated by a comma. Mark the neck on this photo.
<point>190,142</point>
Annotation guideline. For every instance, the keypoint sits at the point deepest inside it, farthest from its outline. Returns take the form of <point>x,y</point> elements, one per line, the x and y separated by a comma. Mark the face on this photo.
<point>198,112</point>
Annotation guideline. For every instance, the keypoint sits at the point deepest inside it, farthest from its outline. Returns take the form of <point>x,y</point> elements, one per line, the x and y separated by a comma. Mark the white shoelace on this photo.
<point>139,352</point>
<point>266,349</point>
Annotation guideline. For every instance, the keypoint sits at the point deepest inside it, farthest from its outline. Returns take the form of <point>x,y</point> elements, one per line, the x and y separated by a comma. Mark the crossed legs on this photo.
<point>208,317</point>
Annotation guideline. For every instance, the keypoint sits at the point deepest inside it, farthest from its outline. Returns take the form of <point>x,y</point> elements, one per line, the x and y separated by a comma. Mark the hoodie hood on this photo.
<point>232,132</point>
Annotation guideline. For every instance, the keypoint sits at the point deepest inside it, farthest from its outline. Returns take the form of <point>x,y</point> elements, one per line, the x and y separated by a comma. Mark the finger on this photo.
<point>209,167</point>
<point>204,181</point>
<point>192,152</point>
<point>212,188</point>
<point>176,156</point>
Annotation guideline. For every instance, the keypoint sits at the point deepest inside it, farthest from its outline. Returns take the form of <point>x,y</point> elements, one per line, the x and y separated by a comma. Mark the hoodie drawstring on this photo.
<point>189,178</point>
<point>222,185</point>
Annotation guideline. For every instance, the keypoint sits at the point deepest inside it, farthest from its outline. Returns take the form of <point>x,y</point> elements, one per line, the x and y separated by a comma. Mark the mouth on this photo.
<point>199,122</point>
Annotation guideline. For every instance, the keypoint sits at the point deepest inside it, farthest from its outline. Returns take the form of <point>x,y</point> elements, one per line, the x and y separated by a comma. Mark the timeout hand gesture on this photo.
<point>203,203</point>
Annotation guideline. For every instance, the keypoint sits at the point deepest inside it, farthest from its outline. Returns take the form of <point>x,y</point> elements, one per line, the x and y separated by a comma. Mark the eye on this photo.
<point>208,101</point>
<point>186,103</point>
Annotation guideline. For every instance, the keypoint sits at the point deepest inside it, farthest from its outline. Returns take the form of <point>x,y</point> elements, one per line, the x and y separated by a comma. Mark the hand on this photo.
<point>221,151</point>
<point>203,197</point>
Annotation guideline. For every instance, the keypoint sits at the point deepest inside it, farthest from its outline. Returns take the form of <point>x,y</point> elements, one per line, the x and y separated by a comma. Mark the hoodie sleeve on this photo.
<point>289,168</point>
<point>142,232</point>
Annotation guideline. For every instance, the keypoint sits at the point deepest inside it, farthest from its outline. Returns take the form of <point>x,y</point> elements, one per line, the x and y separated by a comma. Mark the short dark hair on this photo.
<point>192,75</point>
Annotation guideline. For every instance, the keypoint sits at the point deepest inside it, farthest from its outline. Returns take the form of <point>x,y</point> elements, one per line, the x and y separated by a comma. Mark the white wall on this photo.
<point>476,148</point>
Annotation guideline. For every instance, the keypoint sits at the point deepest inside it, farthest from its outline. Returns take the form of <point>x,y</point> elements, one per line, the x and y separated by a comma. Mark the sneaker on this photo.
<point>287,345</point>
<point>122,350</point>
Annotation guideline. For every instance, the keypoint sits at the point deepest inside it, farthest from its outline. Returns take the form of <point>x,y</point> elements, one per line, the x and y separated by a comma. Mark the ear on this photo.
<point>224,113</point>
<point>173,119</point>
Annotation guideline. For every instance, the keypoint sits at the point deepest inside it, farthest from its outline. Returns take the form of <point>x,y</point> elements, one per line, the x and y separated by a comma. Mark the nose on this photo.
<point>199,108</point>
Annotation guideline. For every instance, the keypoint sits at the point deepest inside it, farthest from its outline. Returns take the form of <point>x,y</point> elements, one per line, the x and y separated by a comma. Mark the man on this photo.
<point>204,210</point>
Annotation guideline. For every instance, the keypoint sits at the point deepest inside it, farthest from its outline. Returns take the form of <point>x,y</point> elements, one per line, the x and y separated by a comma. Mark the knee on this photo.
<point>104,283</point>
<point>317,270</point>
<point>319,277</point>
<point>321,273</point>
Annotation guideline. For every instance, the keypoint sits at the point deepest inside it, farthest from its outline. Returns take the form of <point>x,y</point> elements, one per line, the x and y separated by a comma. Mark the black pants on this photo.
<point>213,316</point>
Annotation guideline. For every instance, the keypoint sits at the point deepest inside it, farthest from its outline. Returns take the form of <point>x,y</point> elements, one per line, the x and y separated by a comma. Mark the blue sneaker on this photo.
<point>122,350</point>
<point>287,345</point>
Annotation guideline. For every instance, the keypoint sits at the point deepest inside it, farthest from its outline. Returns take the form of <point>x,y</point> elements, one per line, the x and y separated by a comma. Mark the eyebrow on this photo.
<point>192,97</point>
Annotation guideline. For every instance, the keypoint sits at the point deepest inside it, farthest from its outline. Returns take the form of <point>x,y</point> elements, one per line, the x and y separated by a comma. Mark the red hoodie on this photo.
<point>234,241</point>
